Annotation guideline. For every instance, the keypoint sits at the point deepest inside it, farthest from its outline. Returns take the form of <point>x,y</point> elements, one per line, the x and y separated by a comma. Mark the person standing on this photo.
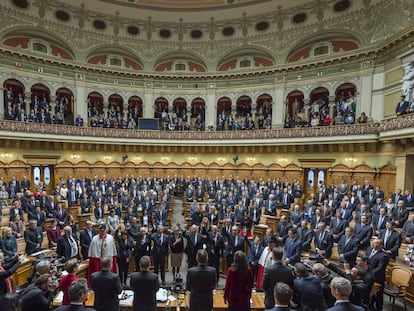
<point>378,261</point>
<point>177,249</point>
<point>341,289</point>
<point>265,260</point>
<point>67,246</point>
<point>37,295</point>
<point>124,255</point>
<point>142,246</point>
<point>276,272</point>
<point>160,251</point>
<point>145,285</point>
<point>292,247</point>
<point>106,286</point>
<point>282,295</point>
<point>33,237</point>
<point>256,250</point>
<point>71,267</point>
<point>215,249</point>
<point>86,237</point>
<point>239,284</point>
<point>102,246</point>
<point>201,281</point>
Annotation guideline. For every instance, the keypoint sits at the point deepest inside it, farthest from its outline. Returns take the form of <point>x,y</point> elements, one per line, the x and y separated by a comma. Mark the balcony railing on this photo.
<point>279,133</point>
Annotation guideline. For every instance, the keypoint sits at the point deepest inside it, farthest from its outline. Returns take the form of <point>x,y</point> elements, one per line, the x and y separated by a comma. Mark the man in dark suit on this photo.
<point>194,243</point>
<point>86,238</point>
<point>107,287</point>
<point>145,285</point>
<point>379,221</point>
<point>408,229</point>
<point>215,249</point>
<point>391,238</point>
<point>307,289</point>
<point>341,288</point>
<point>60,215</point>
<point>348,247</point>
<point>36,296</point>
<point>283,229</point>
<point>378,261</point>
<point>33,237</point>
<point>282,295</point>
<point>323,241</point>
<point>305,235</point>
<point>38,215</point>
<point>233,244</point>
<point>363,232</point>
<point>337,226</point>
<point>142,246</point>
<point>400,214</point>
<point>256,250</point>
<point>67,245</point>
<point>78,294</point>
<point>201,281</point>
<point>160,243</point>
<point>292,247</point>
<point>296,216</point>
<point>276,272</point>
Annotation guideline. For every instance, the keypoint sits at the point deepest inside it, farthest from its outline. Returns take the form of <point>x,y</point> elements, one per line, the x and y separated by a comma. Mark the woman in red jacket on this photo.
<point>239,284</point>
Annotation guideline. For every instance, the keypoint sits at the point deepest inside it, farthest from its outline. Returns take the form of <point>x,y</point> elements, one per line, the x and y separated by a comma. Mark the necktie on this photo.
<point>255,250</point>
<point>195,239</point>
<point>387,235</point>
<point>372,253</point>
<point>161,240</point>
<point>347,240</point>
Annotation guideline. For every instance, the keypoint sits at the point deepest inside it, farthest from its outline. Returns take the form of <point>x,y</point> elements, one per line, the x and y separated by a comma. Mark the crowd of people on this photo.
<point>319,113</point>
<point>132,214</point>
<point>42,110</point>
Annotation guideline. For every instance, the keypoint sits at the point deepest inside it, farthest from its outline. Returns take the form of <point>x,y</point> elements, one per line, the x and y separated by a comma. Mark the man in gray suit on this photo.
<point>201,281</point>
<point>277,272</point>
<point>341,289</point>
<point>145,285</point>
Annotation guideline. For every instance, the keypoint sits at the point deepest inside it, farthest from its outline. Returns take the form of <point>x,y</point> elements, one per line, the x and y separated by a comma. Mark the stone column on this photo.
<point>27,102</point>
<point>331,106</point>
<point>211,108</point>
<point>52,105</point>
<point>405,169</point>
<point>148,104</point>
<point>81,105</point>
<point>306,108</point>
<point>364,100</point>
<point>254,111</point>
<point>278,109</point>
<point>105,108</point>
<point>2,103</point>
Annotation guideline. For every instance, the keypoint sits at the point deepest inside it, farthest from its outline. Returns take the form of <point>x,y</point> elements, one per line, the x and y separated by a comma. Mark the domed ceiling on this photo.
<point>201,35</point>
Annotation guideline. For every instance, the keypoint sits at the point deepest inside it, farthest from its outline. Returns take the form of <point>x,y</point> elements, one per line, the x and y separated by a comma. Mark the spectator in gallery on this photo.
<point>79,120</point>
<point>402,106</point>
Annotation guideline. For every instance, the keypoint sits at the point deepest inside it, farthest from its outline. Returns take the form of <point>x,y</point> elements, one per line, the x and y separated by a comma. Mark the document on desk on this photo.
<point>126,298</point>
<point>162,295</point>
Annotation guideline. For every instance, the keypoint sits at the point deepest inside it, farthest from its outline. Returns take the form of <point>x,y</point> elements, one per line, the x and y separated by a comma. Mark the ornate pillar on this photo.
<point>331,106</point>
<point>306,108</point>
<point>1,103</point>
<point>405,169</point>
<point>53,105</point>
<point>148,104</point>
<point>27,102</point>
<point>81,106</point>
<point>254,110</point>
<point>278,109</point>
<point>105,108</point>
<point>211,108</point>
<point>365,95</point>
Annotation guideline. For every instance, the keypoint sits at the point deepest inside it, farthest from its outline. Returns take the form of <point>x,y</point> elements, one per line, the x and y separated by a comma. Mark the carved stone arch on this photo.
<point>41,33</point>
<point>333,34</point>
<point>113,49</point>
<point>180,54</point>
<point>45,83</point>
<point>245,50</point>
<point>20,80</point>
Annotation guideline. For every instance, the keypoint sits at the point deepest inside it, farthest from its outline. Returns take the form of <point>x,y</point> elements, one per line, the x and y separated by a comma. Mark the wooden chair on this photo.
<point>398,283</point>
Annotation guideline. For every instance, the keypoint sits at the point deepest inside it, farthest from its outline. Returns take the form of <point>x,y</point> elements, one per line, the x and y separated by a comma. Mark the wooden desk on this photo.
<point>218,302</point>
